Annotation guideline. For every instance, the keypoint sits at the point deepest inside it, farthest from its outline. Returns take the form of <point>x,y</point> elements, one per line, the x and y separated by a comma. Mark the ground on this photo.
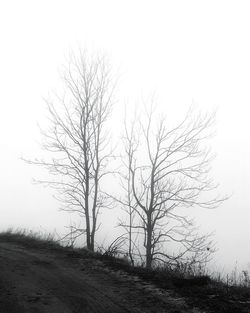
<point>56,280</point>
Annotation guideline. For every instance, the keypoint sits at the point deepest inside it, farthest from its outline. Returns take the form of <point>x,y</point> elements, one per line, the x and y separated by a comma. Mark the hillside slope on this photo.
<point>38,279</point>
<point>38,275</point>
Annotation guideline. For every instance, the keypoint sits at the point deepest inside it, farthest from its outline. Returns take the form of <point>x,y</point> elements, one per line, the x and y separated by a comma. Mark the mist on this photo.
<point>180,54</point>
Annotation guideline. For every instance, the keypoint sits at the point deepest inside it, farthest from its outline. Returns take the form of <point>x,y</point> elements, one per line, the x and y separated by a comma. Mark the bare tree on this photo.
<point>128,203</point>
<point>78,141</point>
<point>168,171</point>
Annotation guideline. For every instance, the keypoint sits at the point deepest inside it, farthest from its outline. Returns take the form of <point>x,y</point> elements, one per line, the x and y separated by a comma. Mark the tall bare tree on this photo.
<point>78,140</point>
<point>168,171</point>
<point>128,202</point>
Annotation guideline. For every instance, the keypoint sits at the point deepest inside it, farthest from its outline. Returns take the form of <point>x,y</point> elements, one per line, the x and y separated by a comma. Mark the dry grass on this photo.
<point>219,295</point>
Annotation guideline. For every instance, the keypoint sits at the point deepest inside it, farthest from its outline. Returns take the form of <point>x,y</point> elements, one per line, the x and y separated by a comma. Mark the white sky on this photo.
<point>183,51</point>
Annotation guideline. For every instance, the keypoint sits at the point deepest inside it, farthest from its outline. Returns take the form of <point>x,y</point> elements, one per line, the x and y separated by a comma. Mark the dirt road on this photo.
<point>40,280</point>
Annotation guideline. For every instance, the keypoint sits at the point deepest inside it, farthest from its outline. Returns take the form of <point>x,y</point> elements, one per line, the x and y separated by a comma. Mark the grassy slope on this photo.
<point>202,292</point>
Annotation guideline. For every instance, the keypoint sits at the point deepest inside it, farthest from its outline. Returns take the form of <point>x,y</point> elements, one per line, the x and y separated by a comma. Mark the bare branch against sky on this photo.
<point>167,172</point>
<point>77,140</point>
<point>183,51</point>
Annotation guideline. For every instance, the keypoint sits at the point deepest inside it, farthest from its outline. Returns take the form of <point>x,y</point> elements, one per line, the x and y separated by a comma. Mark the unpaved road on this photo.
<point>54,281</point>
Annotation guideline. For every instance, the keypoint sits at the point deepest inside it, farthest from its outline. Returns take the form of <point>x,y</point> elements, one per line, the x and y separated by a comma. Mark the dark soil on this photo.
<point>40,277</point>
<point>201,292</point>
<point>61,281</point>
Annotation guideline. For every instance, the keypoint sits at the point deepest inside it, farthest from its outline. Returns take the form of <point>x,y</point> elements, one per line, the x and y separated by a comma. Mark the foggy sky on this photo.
<point>184,52</point>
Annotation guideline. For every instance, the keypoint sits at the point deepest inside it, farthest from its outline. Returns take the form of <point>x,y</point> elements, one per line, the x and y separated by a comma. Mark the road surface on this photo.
<point>57,281</point>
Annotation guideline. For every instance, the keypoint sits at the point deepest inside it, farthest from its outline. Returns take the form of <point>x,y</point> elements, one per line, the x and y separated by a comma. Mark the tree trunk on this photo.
<point>149,245</point>
<point>92,243</point>
<point>88,231</point>
<point>88,239</point>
